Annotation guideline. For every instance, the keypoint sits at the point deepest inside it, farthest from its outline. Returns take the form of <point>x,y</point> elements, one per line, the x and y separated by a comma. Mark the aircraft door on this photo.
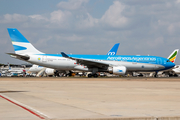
<point>159,61</point>
<point>44,59</point>
<point>134,61</point>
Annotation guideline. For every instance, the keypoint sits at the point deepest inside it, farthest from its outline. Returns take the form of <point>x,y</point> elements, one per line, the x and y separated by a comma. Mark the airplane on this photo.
<point>13,71</point>
<point>50,72</point>
<point>16,70</point>
<point>37,68</point>
<point>116,64</point>
<point>175,70</point>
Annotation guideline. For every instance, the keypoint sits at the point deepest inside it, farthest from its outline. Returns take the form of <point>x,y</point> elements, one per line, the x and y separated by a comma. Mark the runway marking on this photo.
<point>25,107</point>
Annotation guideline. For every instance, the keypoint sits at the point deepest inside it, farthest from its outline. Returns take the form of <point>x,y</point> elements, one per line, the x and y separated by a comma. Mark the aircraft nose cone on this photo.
<point>170,65</point>
<point>173,64</point>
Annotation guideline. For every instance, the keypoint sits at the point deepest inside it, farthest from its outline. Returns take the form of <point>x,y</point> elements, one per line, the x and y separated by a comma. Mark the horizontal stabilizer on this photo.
<point>22,57</point>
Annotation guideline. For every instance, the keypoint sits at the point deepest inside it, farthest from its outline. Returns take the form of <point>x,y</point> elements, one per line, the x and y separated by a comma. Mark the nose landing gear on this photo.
<point>156,74</point>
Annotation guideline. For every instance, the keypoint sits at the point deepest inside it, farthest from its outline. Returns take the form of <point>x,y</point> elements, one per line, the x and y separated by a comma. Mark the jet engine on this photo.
<point>49,71</point>
<point>119,70</point>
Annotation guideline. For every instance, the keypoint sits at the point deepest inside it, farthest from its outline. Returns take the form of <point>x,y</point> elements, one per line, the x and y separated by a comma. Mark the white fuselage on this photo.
<point>61,63</point>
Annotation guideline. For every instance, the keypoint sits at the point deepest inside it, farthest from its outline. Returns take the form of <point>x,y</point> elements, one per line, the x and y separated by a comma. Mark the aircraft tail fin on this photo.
<point>114,49</point>
<point>20,43</point>
<point>173,55</point>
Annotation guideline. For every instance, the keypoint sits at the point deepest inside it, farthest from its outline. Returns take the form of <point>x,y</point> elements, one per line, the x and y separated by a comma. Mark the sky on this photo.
<point>142,27</point>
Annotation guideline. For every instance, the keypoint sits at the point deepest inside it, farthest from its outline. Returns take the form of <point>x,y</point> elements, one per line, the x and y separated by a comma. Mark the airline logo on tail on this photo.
<point>20,43</point>
<point>114,49</point>
<point>173,55</point>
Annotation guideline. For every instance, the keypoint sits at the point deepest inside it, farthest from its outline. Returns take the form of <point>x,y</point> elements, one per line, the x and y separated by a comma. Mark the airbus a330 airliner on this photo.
<point>116,64</point>
<point>49,71</point>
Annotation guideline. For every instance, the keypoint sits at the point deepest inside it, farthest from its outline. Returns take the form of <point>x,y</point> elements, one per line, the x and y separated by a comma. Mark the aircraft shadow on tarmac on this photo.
<point>10,91</point>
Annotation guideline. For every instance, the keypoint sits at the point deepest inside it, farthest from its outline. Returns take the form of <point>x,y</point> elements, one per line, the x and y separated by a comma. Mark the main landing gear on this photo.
<point>92,75</point>
<point>156,74</point>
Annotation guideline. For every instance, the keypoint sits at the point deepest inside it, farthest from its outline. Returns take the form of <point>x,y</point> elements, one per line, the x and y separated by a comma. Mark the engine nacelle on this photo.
<point>119,70</point>
<point>49,71</point>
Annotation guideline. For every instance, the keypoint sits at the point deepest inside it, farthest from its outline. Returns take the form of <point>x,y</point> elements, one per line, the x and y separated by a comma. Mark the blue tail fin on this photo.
<point>20,43</point>
<point>114,49</point>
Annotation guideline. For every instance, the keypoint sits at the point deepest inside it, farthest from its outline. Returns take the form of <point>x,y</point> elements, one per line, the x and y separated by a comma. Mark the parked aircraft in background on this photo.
<point>16,70</point>
<point>175,70</point>
<point>13,71</point>
<point>37,69</point>
<point>116,64</point>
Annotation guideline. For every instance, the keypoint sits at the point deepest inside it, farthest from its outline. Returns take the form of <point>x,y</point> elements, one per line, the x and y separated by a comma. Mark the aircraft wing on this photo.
<point>88,63</point>
<point>22,57</point>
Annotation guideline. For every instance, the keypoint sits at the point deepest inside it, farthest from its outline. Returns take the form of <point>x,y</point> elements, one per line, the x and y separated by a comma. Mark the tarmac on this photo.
<point>90,98</point>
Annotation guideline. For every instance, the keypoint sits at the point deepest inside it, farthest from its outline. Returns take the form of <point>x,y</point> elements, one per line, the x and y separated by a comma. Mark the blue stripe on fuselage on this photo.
<point>125,58</point>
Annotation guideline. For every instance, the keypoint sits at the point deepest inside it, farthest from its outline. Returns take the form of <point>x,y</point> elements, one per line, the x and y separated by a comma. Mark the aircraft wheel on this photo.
<point>170,75</point>
<point>95,75</point>
<point>156,75</point>
<point>175,75</point>
<point>89,75</point>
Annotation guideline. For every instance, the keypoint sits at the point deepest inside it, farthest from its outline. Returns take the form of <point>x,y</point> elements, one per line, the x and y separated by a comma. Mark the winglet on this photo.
<point>114,49</point>
<point>173,55</point>
<point>64,55</point>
